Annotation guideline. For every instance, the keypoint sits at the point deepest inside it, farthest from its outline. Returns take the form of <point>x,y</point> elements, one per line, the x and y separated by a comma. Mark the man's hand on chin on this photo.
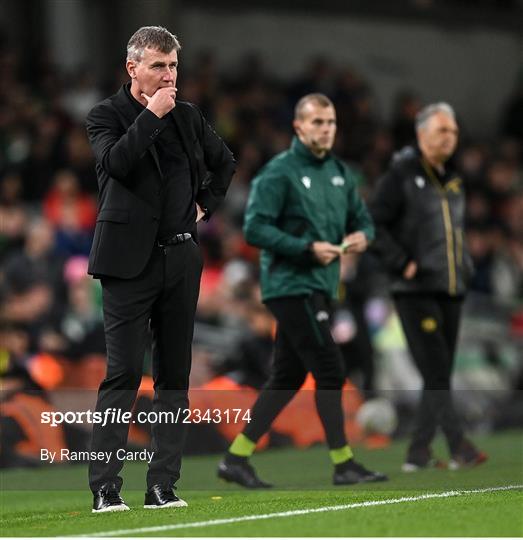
<point>162,101</point>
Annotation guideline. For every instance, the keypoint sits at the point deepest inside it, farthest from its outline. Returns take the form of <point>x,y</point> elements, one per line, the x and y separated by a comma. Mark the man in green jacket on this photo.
<point>304,212</point>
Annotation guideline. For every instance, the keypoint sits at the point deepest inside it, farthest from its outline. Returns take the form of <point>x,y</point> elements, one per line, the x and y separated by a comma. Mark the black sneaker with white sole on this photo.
<point>159,497</point>
<point>107,499</point>
<point>352,472</point>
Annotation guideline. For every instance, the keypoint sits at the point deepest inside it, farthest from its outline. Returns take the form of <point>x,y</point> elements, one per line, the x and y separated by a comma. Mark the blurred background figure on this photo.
<point>419,212</point>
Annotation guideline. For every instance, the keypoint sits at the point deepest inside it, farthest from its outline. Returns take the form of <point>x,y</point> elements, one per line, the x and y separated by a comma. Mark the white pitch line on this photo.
<point>290,513</point>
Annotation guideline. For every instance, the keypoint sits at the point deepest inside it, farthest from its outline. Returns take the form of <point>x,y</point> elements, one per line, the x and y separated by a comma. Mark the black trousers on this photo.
<point>162,299</point>
<point>303,344</point>
<point>431,323</point>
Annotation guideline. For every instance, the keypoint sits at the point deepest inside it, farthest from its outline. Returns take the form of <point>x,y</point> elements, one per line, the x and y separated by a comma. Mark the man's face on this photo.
<point>439,137</point>
<point>155,70</point>
<point>316,127</point>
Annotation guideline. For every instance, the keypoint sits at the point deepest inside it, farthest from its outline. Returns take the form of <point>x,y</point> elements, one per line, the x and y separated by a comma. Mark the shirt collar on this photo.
<point>135,103</point>
<point>302,151</point>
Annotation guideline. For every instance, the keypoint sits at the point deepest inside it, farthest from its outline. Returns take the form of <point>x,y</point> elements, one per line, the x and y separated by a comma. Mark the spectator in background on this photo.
<point>79,160</point>
<point>37,264</point>
<point>319,76</point>
<point>79,331</point>
<point>419,213</point>
<point>480,241</point>
<point>65,200</point>
<point>72,213</point>
<point>13,215</point>
<point>82,95</point>
<point>514,220</point>
<point>361,128</point>
<point>472,164</point>
<point>497,269</point>
<point>250,362</point>
<point>408,104</point>
<point>11,190</point>
<point>23,398</point>
<point>501,180</point>
<point>46,156</point>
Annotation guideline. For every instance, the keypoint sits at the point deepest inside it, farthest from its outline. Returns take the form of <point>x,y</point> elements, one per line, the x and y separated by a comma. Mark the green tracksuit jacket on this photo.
<point>297,199</point>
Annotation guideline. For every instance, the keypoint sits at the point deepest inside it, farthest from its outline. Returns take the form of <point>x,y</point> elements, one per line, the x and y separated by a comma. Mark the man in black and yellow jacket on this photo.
<point>304,212</point>
<point>419,211</point>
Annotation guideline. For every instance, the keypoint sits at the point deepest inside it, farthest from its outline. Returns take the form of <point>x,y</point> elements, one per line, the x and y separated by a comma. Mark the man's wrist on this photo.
<point>158,113</point>
<point>150,109</point>
<point>309,253</point>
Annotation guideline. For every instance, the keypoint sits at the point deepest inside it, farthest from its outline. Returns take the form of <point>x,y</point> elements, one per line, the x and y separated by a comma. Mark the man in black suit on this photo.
<point>161,168</point>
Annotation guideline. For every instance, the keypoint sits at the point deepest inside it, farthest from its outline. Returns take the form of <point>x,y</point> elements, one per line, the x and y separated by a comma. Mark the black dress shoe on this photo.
<point>160,497</point>
<point>107,499</point>
<point>353,472</point>
<point>241,473</point>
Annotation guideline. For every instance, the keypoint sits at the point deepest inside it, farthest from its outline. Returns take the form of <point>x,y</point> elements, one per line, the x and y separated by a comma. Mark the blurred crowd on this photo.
<point>49,307</point>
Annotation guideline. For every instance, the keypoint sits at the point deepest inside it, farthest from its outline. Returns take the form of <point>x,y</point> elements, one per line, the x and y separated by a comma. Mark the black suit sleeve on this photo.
<point>119,152</point>
<point>386,208</point>
<point>220,165</point>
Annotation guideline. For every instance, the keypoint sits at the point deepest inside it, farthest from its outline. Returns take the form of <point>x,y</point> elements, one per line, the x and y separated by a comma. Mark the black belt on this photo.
<point>176,239</point>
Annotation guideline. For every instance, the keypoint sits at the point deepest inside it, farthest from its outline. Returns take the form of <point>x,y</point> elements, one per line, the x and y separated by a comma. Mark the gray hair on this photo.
<point>430,110</point>
<point>154,37</point>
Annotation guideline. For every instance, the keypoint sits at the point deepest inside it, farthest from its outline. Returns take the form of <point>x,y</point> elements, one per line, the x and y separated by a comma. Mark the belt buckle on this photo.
<point>176,239</point>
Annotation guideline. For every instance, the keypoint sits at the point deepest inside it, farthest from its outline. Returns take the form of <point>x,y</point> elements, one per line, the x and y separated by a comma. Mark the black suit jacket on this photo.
<point>129,179</point>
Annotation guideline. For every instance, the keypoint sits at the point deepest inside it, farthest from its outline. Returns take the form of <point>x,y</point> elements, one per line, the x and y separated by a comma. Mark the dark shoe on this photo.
<point>467,455</point>
<point>159,497</point>
<point>241,473</point>
<point>107,499</point>
<point>421,458</point>
<point>353,472</point>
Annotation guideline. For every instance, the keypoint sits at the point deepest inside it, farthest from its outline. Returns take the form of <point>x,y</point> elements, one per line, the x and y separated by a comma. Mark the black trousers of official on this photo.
<point>431,323</point>
<point>303,344</point>
<point>162,299</point>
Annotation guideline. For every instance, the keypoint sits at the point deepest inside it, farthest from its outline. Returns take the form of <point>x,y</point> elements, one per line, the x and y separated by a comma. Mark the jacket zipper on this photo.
<point>447,221</point>
<point>459,246</point>
<point>450,245</point>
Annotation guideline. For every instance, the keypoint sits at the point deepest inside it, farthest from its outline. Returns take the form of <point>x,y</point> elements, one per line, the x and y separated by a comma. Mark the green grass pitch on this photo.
<point>54,501</point>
